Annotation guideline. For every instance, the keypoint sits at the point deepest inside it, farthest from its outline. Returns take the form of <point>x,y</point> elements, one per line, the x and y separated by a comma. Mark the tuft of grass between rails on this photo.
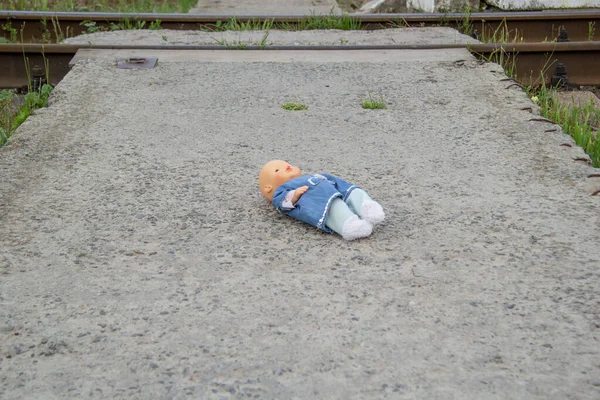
<point>311,22</point>
<point>53,33</point>
<point>38,92</point>
<point>11,117</point>
<point>132,6</point>
<point>581,122</point>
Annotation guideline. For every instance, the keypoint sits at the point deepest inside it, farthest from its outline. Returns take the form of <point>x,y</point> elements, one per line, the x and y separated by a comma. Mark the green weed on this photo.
<point>374,104</point>
<point>399,23</point>
<point>342,22</point>
<point>237,44</point>
<point>126,24</point>
<point>90,26</point>
<point>581,122</point>
<point>591,30</point>
<point>10,119</point>
<point>155,25</point>
<point>233,24</point>
<point>505,59</point>
<point>234,45</point>
<point>263,44</point>
<point>294,106</point>
<point>331,21</point>
<point>133,6</point>
<point>7,98</point>
<point>499,35</point>
<point>12,32</point>
<point>466,26</point>
<point>58,32</point>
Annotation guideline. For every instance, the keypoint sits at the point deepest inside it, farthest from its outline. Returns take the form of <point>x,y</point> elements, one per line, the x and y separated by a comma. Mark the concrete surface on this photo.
<point>277,37</point>
<point>542,4</point>
<point>402,6</point>
<point>261,7</point>
<point>138,259</point>
<point>350,6</point>
<point>284,56</point>
<point>577,98</point>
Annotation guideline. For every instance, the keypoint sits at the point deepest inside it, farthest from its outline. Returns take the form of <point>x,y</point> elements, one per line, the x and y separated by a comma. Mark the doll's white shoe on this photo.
<point>356,228</point>
<point>372,211</point>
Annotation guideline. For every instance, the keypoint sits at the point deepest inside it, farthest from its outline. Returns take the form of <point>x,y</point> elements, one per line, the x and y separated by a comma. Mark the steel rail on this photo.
<point>530,59</point>
<point>532,26</point>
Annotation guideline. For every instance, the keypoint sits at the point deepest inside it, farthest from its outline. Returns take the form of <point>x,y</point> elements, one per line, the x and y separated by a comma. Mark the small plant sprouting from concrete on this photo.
<point>374,104</point>
<point>240,45</point>
<point>263,41</point>
<point>234,45</point>
<point>294,106</point>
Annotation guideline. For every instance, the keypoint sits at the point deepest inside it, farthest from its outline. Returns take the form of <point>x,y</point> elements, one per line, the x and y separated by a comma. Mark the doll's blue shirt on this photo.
<point>313,206</point>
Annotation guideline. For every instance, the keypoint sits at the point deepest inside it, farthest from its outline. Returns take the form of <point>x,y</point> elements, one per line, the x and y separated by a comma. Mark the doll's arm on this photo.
<point>287,200</point>
<point>298,193</point>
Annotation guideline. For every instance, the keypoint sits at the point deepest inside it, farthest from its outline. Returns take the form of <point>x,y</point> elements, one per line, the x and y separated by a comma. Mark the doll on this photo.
<point>322,200</point>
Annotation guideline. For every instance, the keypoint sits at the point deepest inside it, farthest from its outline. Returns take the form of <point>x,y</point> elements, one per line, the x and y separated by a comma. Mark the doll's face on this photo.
<point>274,174</point>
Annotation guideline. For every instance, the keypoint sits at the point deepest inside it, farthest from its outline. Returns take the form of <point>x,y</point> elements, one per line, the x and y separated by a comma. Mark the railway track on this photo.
<point>537,26</point>
<point>573,62</point>
<point>559,44</point>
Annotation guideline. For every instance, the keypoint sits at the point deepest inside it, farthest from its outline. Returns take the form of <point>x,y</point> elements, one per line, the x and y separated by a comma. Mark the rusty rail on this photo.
<point>579,59</point>
<point>535,26</point>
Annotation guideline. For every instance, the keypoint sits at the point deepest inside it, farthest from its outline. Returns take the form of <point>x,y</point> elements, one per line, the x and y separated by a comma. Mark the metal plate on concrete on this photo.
<point>137,62</point>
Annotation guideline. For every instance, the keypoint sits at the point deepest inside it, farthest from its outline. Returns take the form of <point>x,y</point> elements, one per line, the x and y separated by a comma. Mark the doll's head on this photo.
<point>273,174</point>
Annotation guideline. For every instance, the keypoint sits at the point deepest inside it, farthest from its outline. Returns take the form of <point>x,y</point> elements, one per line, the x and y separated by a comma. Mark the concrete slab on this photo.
<point>278,37</point>
<point>400,6</point>
<point>261,7</point>
<point>285,56</point>
<point>543,4</point>
<point>139,260</point>
<point>577,98</point>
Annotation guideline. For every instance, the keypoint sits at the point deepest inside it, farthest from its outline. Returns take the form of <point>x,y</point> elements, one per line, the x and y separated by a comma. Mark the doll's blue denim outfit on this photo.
<point>314,206</point>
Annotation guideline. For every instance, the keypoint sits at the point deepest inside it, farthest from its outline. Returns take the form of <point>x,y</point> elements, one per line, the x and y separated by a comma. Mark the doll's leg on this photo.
<point>344,222</point>
<point>362,204</point>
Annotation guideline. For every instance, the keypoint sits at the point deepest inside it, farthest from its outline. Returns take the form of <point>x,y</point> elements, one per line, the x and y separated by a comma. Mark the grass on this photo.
<point>239,45</point>
<point>233,24</point>
<point>580,122</point>
<point>312,22</point>
<point>294,106</point>
<point>11,118</point>
<point>374,104</point>
<point>134,6</point>
<point>38,91</point>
